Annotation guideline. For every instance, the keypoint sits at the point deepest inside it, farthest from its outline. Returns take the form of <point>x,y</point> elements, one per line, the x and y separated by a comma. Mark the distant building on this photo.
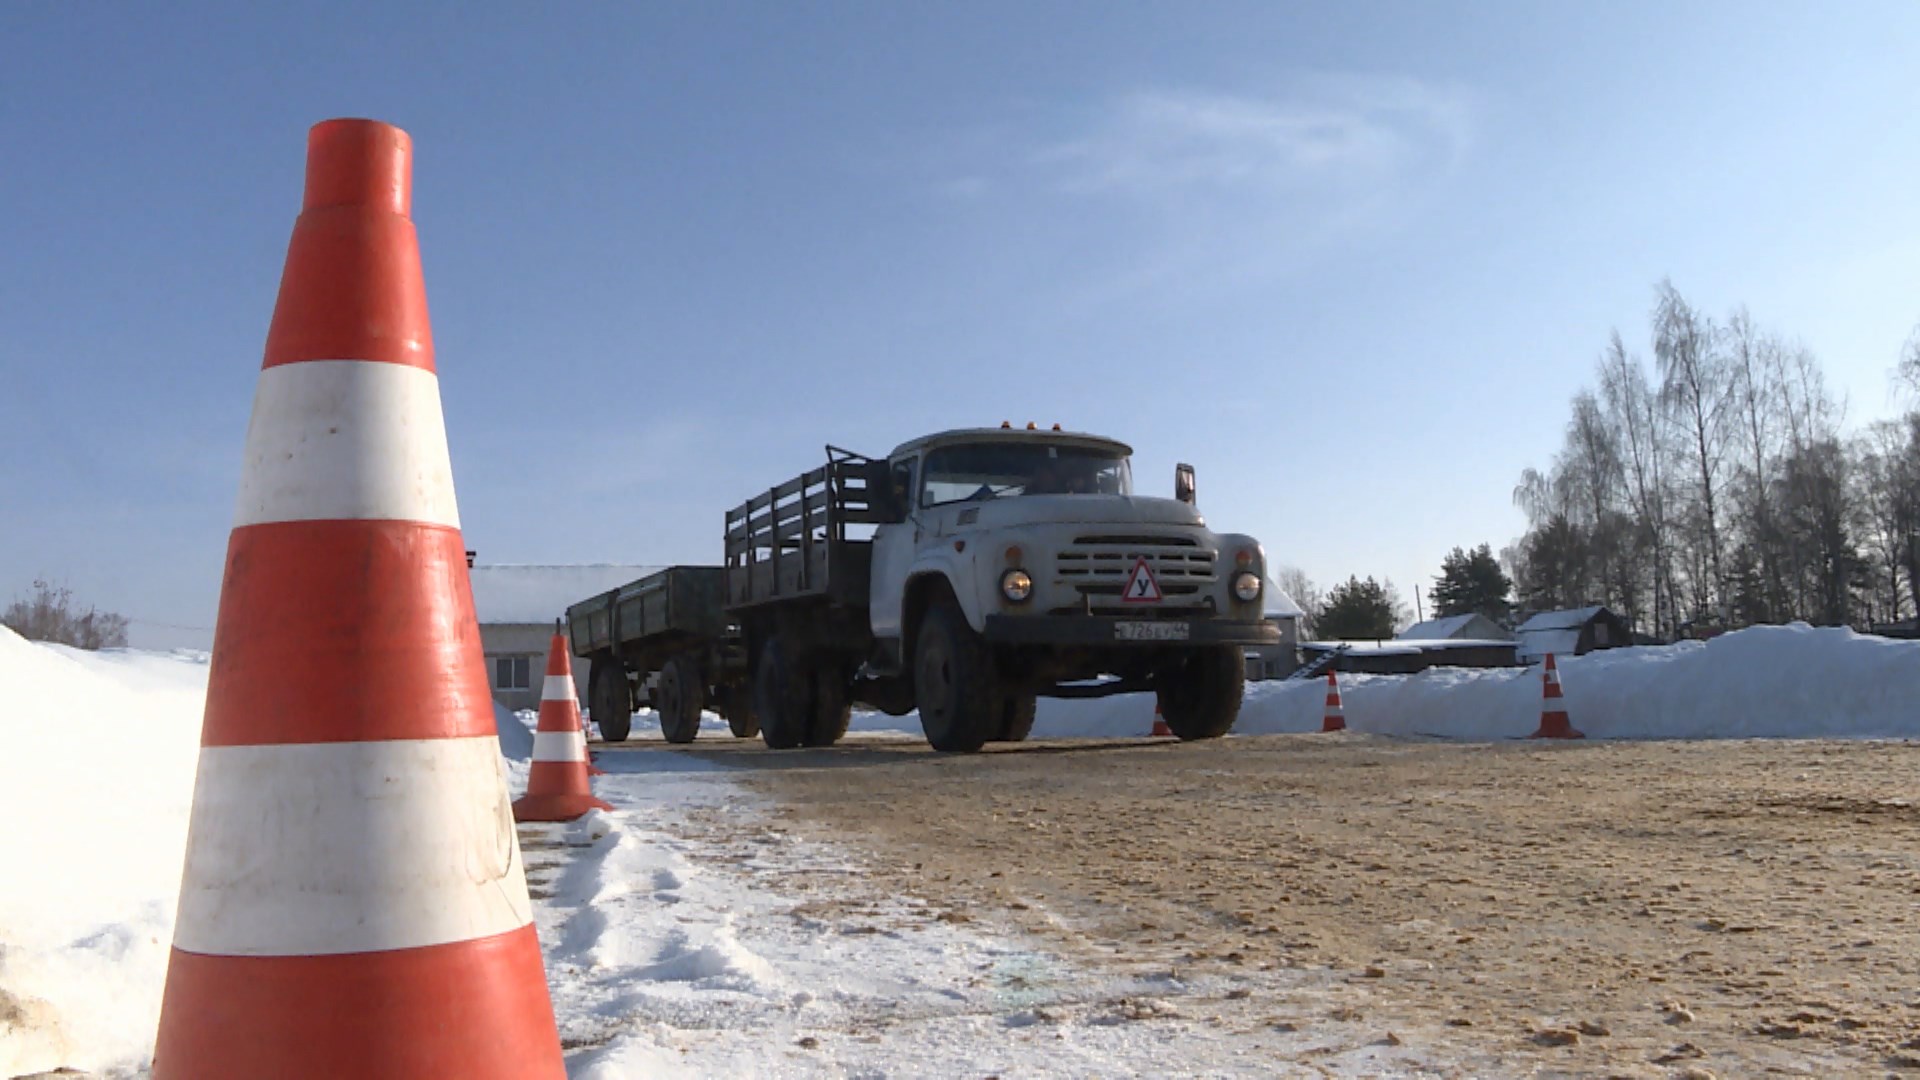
<point>517,606</point>
<point>1574,632</point>
<point>1277,661</point>
<point>1470,627</point>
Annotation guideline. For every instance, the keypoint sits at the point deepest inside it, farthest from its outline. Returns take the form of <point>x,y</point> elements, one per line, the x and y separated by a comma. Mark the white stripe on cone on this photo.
<point>559,746</point>
<point>314,849</point>
<point>346,440</point>
<point>557,688</point>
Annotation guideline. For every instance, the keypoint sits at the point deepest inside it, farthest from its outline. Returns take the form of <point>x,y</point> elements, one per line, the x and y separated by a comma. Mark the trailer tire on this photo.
<point>1200,693</point>
<point>678,698</point>
<point>831,708</point>
<point>780,696</point>
<point>953,682</point>
<point>741,719</point>
<point>610,699</point>
<point>1016,717</point>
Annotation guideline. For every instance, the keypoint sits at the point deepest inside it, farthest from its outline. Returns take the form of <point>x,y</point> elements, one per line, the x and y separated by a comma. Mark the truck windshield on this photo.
<point>1007,470</point>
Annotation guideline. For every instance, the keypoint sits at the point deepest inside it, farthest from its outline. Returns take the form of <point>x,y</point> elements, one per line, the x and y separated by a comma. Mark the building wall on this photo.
<point>529,641</point>
<point>1277,661</point>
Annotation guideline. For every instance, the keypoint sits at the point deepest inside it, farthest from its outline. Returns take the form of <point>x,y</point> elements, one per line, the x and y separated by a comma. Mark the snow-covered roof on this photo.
<point>1279,604</point>
<point>1453,626</point>
<point>522,595</point>
<point>1404,647</point>
<point>1572,618</point>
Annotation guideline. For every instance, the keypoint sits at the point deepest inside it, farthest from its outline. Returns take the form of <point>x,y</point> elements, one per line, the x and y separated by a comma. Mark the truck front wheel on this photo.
<point>678,699</point>
<point>610,699</point>
<point>953,683</point>
<point>1200,692</point>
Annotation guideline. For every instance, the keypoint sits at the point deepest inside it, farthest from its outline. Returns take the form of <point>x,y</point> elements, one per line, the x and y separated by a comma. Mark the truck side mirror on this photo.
<point>1184,488</point>
<point>888,487</point>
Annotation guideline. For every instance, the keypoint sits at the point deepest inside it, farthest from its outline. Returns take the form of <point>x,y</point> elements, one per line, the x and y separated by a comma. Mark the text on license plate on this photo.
<point>1150,631</point>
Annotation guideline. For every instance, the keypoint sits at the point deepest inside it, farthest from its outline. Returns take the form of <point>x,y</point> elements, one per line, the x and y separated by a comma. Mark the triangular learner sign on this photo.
<point>1141,586</point>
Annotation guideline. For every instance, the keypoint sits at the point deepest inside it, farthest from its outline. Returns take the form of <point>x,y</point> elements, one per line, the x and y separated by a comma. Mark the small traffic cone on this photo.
<point>558,788</point>
<point>1553,711</point>
<point>1336,718</point>
<point>353,901</point>
<point>1160,728</point>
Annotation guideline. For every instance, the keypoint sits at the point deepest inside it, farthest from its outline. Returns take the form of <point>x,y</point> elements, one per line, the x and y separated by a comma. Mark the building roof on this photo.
<point>1537,643</point>
<point>1570,619</point>
<point>1470,625</point>
<point>508,594</point>
<point>1279,604</point>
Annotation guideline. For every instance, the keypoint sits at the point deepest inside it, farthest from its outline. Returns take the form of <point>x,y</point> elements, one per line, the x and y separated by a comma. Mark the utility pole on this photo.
<point>1419,612</point>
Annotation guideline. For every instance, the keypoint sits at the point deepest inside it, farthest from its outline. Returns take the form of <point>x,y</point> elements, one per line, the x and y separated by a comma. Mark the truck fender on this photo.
<point>929,580</point>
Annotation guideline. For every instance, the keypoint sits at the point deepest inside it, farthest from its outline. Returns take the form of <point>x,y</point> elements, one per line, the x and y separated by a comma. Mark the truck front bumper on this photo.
<point>1110,630</point>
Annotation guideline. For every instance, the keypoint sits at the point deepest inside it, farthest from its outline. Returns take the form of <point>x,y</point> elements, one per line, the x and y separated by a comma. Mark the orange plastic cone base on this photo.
<point>1555,725</point>
<point>1160,728</point>
<point>555,807</point>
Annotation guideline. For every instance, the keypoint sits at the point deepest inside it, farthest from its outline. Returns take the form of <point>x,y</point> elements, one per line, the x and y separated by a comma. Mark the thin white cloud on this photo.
<point>1330,130</point>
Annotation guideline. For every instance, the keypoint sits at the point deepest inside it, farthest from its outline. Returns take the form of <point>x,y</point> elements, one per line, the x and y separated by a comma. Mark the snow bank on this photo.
<point>97,773</point>
<point>1793,681</point>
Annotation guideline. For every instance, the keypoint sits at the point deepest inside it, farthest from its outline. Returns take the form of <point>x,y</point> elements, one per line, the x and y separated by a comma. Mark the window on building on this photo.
<point>512,673</point>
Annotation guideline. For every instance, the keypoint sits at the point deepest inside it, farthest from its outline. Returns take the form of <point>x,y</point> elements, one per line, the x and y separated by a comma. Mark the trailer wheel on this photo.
<point>741,719</point>
<point>780,695</point>
<point>953,682</point>
<point>610,698</point>
<point>678,697</point>
<point>1016,717</point>
<point>831,711</point>
<point>1200,692</point>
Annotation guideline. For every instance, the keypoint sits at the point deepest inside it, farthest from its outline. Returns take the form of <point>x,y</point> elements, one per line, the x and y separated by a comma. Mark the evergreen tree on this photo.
<point>1358,610</point>
<point>1472,583</point>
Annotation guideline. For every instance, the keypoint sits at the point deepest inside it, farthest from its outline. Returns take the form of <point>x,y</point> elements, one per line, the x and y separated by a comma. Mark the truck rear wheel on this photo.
<point>678,697</point>
<point>741,719</point>
<point>953,683</point>
<point>1016,717</point>
<point>611,699</point>
<point>1200,692</point>
<point>831,710</point>
<point>780,696</point>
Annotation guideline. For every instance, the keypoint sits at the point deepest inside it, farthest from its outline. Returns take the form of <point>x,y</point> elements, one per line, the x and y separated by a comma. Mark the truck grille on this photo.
<point>1099,564</point>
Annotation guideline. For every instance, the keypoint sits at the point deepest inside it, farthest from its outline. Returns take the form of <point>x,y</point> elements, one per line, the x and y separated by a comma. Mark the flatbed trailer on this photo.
<point>666,641</point>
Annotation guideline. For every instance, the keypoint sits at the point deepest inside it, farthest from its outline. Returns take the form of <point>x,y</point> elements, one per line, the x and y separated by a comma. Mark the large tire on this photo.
<point>1200,692</point>
<point>780,695</point>
<point>831,709</point>
<point>611,699</point>
<point>953,683</point>
<point>741,719</point>
<point>1016,717</point>
<point>678,697</point>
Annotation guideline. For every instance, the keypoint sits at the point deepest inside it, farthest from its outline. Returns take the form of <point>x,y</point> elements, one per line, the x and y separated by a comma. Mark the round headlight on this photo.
<point>1016,585</point>
<point>1246,586</point>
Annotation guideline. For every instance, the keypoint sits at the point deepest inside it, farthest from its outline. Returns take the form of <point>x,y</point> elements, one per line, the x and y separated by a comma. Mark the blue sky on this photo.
<point>1349,260</point>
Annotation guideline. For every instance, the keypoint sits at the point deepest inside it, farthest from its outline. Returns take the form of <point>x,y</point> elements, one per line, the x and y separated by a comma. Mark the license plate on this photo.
<point>1150,631</point>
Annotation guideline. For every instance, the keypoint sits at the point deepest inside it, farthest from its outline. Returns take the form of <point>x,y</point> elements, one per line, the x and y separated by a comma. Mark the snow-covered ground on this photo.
<point>673,952</point>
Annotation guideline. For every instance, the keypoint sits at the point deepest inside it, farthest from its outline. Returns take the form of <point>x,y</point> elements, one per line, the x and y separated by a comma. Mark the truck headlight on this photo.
<point>1016,585</point>
<point>1246,586</point>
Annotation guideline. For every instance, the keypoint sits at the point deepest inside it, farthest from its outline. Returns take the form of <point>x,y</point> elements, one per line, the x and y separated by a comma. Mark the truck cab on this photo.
<point>1017,563</point>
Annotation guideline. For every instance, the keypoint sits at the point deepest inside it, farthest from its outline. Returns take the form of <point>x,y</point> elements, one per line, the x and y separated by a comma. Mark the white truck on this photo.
<point>966,574</point>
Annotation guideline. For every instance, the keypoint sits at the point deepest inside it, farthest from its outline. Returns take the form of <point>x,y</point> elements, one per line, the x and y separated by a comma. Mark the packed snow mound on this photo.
<point>1782,682</point>
<point>516,739</point>
<point>98,777</point>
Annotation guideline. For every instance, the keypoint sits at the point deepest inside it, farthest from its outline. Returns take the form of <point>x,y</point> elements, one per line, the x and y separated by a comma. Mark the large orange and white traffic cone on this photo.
<point>1160,728</point>
<point>353,901</point>
<point>1336,716</point>
<point>558,788</point>
<point>1554,723</point>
